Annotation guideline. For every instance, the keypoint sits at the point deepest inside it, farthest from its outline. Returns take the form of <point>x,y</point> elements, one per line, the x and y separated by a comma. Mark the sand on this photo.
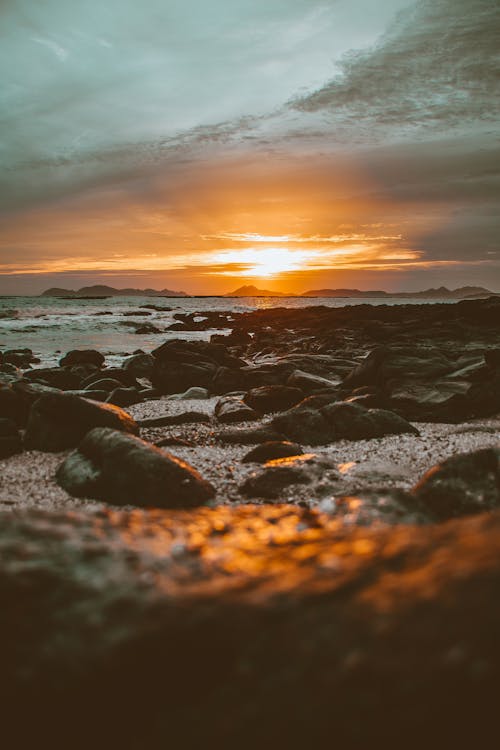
<point>342,468</point>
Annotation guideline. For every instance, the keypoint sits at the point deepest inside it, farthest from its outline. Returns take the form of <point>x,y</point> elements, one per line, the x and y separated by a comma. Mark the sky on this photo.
<point>200,145</point>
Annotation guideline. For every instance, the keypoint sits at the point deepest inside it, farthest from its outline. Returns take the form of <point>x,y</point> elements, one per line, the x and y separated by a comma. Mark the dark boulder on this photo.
<point>122,469</point>
<point>12,405</point>
<point>139,365</point>
<point>309,383</point>
<point>82,357</point>
<point>249,436</point>
<point>338,421</point>
<point>58,421</point>
<point>462,485</point>
<point>104,384</point>
<point>57,377</point>
<point>124,397</point>
<point>230,410</point>
<point>116,373</point>
<point>22,358</point>
<point>10,438</point>
<point>272,450</point>
<point>307,426</point>
<point>270,482</point>
<point>272,398</point>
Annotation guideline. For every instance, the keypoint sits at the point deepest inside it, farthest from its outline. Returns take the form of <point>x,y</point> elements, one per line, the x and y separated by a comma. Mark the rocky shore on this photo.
<point>284,535</point>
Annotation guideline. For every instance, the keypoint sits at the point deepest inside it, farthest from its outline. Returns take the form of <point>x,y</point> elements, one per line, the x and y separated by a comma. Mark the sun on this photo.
<point>262,262</point>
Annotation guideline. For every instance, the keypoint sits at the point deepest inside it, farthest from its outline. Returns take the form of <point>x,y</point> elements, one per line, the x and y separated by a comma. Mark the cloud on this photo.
<point>437,67</point>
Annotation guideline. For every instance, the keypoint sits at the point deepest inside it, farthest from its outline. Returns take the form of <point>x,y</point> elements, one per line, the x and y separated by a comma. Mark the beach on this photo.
<point>328,471</point>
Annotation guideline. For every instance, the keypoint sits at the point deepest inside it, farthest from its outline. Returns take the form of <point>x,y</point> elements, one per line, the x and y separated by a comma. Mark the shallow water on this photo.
<point>49,325</point>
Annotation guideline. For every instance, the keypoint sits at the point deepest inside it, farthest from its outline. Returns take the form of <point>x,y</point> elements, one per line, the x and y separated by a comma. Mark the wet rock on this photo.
<point>384,363</point>
<point>90,393</point>
<point>58,421</point>
<point>227,379</point>
<point>309,383</point>
<point>272,450</point>
<point>82,357</point>
<point>272,398</point>
<point>57,377</point>
<point>12,405</point>
<point>230,410</point>
<point>271,481</point>
<point>104,384</point>
<point>191,394</point>
<point>22,358</point>
<point>307,426</point>
<point>182,364</point>
<point>10,438</point>
<point>147,328</point>
<point>275,373</point>
<point>249,436</point>
<point>123,469</point>
<point>338,421</point>
<point>113,373</point>
<point>124,397</point>
<point>462,485</point>
<point>139,365</point>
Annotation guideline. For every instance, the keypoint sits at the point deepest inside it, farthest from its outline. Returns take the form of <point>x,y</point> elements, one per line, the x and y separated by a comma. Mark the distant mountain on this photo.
<point>252,291</point>
<point>109,291</point>
<point>464,292</point>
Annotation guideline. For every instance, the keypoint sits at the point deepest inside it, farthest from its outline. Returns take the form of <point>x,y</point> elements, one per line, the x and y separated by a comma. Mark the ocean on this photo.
<point>52,326</point>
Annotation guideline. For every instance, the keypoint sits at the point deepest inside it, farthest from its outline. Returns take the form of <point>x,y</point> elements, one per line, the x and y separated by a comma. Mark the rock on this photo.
<point>309,383</point>
<point>186,417</point>
<point>227,380</point>
<point>462,485</point>
<point>242,607</point>
<point>271,481</point>
<point>230,410</point>
<point>388,506</point>
<point>307,426</point>
<point>191,394</point>
<point>249,436</point>
<point>339,421</point>
<point>272,450</point>
<point>150,393</point>
<point>82,357</point>
<point>58,421</point>
<point>122,469</point>
<point>91,394</point>
<point>353,422</point>
<point>57,377</point>
<point>10,438</point>
<point>124,397</point>
<point>385,363</point>
<point>148,328</point>
<point>139,365</point>
<point>272,398</point>
<point>181,364</point>
<point>492,358</point>
<point>104,384</point>
<point>113,373</point>
<point>22,358</point>
<point>12,405</point>
<point>275,373</point>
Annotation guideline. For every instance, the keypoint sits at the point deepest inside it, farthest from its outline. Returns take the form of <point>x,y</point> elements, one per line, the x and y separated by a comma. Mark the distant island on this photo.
<point>109,291</point>
<point>252,291</point>
<point>100,291</point>
<point>442,292</point>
